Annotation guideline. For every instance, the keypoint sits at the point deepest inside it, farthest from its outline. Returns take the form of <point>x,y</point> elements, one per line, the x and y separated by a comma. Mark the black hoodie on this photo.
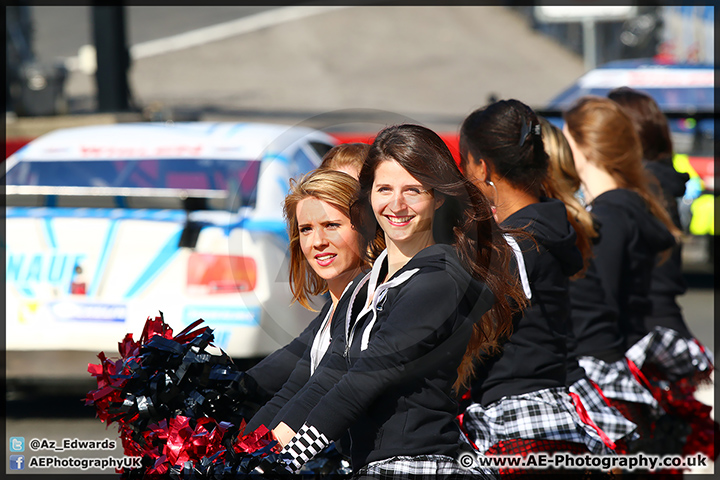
<point>401,361</point>
<point>625,254</point>
<point>534,357</point>
<point>594,323</point>
<point>667,278</point>
<point>272,372</point>
<point>286,370</point>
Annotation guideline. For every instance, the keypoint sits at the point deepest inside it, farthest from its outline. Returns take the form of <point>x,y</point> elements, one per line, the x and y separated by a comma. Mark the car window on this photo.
<point>320,148</point>
<point>174,174</point>
<point>303,163</point>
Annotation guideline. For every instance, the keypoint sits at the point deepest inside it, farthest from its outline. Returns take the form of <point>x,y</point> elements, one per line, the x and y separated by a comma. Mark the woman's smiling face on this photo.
<point>402,206</point>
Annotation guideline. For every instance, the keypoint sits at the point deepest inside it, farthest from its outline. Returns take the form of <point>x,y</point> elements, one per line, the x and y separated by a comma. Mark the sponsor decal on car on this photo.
<point>29,270</point>
<point>84,312</point>
<point>222,316</point>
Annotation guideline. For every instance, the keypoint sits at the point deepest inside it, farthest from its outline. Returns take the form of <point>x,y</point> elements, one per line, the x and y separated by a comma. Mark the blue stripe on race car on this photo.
<point>104,255</point>
<point>276,156</point>
<point>165,215</point>
<point>163,257</point>
<point>284,185</point>
<point>260,225</point>
<point>211,128</point>
<point>235,129</point>
<point>49,233</point>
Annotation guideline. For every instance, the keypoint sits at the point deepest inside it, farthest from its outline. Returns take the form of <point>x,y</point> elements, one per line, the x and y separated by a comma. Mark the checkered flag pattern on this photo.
<point>422,467</point>
<point>306,443</point>
<point>617,381</point>
<point>607,418</point>
<point>547,414</point>
<point>678,357</point>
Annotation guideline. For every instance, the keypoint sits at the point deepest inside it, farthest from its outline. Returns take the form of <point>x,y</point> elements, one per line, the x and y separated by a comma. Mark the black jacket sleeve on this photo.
<point>297,379</point>
<point>273,371</point>
<point>331,369</point>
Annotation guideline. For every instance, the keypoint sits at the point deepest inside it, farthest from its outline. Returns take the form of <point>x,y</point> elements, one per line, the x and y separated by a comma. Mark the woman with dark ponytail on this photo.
<point>520,400</point>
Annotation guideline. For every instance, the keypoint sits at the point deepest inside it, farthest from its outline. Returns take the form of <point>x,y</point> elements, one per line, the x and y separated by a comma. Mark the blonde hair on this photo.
<point>607,137</point>
<point>337,189</point>
<point>562,183</point>
<point>347,154</point>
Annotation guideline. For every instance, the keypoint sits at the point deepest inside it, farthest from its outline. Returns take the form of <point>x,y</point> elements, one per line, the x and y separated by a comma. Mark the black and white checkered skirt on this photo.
<point>617,381</point>
<point>607,418</point>
<point>675,356</point>
<point>547,414</point>
<point>422,467</point>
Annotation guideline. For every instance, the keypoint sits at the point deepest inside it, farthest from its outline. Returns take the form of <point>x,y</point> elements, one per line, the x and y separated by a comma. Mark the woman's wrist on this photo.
<point>283,434</point>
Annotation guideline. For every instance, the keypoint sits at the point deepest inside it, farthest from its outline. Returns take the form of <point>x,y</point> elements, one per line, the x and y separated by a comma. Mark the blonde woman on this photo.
<point>325,255</point>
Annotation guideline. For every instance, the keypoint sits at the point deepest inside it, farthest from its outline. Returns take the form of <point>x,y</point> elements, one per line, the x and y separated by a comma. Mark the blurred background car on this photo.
<point>107,225</point>
<point>686,94</point>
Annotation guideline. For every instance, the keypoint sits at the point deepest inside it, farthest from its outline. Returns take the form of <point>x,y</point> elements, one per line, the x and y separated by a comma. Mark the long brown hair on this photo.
<point>607,137</point>
<point>464,221</point>
<point>339,190</point>
<point>649,121</point>
<point>562,183</point>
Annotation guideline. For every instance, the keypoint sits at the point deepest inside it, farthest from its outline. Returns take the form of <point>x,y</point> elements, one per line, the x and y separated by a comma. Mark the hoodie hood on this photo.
<point>671,181</point>
<point>653,231</point>
<point>547,222</point>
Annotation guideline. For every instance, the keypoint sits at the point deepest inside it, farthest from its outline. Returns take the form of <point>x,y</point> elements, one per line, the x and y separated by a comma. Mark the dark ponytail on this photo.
<point>507,135</point>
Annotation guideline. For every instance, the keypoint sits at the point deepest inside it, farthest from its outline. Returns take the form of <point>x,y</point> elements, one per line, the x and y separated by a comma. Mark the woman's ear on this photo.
<point>477,170</point>
<point>439,200</point>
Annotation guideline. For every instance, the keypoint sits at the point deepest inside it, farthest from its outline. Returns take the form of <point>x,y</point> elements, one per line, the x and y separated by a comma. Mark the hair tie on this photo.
<point>526,130</point>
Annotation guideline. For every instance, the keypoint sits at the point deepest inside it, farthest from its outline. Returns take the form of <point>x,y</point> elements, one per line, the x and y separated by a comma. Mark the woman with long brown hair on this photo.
<point>634,228</point>
<point>596,343</point>
<point>672,359</point>
<point>437,294</point>
<point>690,360</point>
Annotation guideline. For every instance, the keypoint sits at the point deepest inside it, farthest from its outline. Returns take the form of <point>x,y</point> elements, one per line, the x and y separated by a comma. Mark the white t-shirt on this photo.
<point>320,343</point>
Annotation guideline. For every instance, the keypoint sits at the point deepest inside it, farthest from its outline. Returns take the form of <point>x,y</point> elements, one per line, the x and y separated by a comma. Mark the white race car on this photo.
<point>107,225</point>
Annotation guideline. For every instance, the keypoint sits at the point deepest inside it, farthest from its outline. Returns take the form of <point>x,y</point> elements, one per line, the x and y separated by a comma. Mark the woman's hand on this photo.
<point>283,434</point>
